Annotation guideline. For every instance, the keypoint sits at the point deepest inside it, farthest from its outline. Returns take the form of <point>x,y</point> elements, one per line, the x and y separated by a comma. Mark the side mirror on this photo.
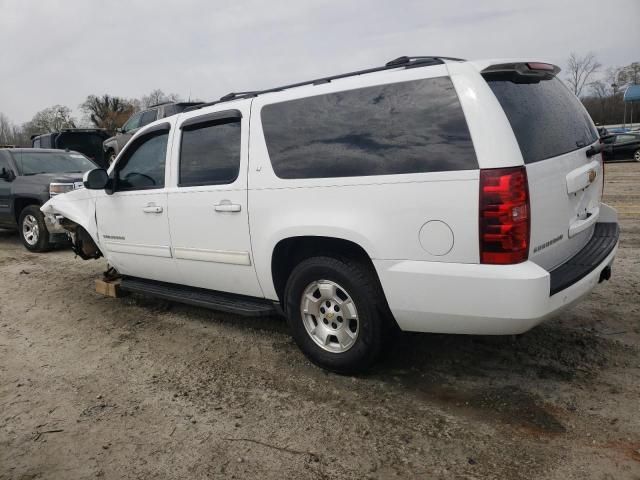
<point>96,179</point>
<point>119,130</point>
<point>7,174</point>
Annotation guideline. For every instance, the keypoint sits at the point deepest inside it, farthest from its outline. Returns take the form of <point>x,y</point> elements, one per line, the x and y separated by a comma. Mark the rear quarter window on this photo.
<point>407,127</point>
<point>547,119</point>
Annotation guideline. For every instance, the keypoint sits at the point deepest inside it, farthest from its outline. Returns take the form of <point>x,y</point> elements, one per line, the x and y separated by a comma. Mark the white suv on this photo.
<point>435,194</point>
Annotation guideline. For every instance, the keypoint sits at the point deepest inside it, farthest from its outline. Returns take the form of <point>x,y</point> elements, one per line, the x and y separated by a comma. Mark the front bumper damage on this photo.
<point>53,224</point>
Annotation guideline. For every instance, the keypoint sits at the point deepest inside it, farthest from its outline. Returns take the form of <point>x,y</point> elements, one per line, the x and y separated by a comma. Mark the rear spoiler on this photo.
<point>532,70</point>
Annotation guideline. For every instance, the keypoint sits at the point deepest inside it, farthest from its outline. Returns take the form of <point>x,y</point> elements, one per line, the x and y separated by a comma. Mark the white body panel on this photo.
<point>479,299</point>
<point>383,214</point>
<point>212,248</point>
<point>420,230</point>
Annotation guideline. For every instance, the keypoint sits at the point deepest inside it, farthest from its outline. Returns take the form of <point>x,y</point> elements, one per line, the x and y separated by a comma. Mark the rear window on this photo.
<point>84,142</point>
<point>547,119</point>
<point>407,127</point>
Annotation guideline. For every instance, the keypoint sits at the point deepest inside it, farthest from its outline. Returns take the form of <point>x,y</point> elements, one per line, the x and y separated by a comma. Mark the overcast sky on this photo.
<point>60,51</point>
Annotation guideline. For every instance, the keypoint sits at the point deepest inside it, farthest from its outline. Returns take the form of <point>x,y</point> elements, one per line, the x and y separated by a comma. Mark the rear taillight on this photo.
<point>504,216</point>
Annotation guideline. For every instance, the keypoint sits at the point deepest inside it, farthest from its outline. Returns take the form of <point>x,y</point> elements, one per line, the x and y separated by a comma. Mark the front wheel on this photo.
<point>336,312</point>
<point>33,231</point>
<point>636,155</point>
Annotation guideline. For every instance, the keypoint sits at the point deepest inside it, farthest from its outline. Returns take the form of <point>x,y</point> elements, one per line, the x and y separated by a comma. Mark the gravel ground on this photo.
<point>138,388</point>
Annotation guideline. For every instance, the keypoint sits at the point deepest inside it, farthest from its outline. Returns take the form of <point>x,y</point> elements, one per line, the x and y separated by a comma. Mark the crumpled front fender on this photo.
<point>78,206</point>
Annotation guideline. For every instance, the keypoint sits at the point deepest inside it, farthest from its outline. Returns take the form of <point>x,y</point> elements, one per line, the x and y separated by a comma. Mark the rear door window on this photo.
<point>210,153</point>
<point>547,119</point>
<point>407,127</point>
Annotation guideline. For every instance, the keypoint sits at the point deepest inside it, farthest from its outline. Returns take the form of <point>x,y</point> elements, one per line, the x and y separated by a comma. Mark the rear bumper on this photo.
<point>490,299</point>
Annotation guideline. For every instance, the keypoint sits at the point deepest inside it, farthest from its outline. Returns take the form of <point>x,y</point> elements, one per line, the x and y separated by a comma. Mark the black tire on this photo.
<point>38,241</point>
<point>361,284</point>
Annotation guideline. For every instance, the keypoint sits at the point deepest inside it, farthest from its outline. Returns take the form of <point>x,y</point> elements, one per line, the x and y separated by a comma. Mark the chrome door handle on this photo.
<point>152,209</point>
<point>227,206</point>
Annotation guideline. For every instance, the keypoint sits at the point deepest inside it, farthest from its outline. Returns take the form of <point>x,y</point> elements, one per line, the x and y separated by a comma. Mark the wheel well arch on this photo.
<point>290,251</point>
<point>21,203</point>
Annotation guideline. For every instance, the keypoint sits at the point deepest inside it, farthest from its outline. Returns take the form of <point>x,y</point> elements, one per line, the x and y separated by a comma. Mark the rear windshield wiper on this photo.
<point>594,149</point>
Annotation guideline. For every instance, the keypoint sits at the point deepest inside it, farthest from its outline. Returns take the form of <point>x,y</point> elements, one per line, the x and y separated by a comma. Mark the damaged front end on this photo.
<point>81,242</point>
<point>74,214</point>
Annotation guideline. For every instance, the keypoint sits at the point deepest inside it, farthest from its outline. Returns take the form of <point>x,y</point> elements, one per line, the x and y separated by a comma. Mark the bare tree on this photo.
<point>107,111</point>
<point>6,130</point>
<point>602,91</point>
<point>580,69</point>
<point>50,119</point>
<point>158,96</point>
<point>627,75</point>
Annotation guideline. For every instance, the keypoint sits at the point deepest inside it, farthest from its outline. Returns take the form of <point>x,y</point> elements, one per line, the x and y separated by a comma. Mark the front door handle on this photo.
<point>152,208</point>
<point>227,206</point>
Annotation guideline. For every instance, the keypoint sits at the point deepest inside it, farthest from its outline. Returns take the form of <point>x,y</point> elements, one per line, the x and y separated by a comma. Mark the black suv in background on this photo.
<point>112,146</point>
<point>28,178</point>
<point>84,140</point>
<point>621,146</point>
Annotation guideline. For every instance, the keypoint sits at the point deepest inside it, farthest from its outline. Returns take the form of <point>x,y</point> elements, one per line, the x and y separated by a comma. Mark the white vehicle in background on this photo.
<point>435,194</point>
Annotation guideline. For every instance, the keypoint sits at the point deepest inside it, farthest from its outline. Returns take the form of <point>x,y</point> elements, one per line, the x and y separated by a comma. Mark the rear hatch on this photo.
<point>87,142</point>
<point>554,133</point>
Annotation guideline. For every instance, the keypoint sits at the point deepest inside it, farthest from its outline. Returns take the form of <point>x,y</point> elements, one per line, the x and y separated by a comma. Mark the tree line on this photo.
<point>601,91</point>
<point>100,111</point>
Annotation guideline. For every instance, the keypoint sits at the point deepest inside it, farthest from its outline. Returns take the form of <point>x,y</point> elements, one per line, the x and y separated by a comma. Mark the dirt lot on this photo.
<point>136,388</point>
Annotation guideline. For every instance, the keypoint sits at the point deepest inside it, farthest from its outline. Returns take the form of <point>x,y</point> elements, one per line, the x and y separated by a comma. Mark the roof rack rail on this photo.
<point>406,61</point>
<point>167,102</point>
<point>418,61</point>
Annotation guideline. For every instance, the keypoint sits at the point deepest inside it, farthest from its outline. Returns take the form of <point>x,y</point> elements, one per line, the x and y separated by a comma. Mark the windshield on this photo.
<point>547,119</point>
<point>32,163</point>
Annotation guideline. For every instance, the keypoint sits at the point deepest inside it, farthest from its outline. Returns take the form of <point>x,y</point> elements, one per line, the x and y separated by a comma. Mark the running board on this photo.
<point>200,297</point>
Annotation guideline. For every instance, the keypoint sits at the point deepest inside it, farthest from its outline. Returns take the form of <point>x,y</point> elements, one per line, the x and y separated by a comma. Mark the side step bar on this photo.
<point>200,297</point>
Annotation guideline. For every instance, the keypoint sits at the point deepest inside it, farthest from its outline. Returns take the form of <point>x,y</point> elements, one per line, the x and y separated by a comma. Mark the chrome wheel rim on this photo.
<point>30,229</point>
<point>330,316</point>
<point>636,156</point>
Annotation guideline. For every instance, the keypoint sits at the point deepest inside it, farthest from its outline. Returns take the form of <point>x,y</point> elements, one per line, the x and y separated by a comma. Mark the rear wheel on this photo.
<point>33,231</point>
<point>636,155</point>
<point>336,312</point>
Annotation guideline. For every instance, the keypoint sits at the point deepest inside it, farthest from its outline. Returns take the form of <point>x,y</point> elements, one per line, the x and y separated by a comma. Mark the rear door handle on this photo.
<point>151,208</point>
<point>227,206</point>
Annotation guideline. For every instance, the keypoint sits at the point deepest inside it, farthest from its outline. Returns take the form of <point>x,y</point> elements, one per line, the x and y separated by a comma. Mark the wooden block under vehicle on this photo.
<point>108,288</point>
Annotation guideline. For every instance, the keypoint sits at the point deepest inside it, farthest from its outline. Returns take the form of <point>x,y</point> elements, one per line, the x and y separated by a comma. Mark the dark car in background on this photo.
<point>87,141</point>
<point>621,146</point>
<point>112,146</point>
<point>28,178</point>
